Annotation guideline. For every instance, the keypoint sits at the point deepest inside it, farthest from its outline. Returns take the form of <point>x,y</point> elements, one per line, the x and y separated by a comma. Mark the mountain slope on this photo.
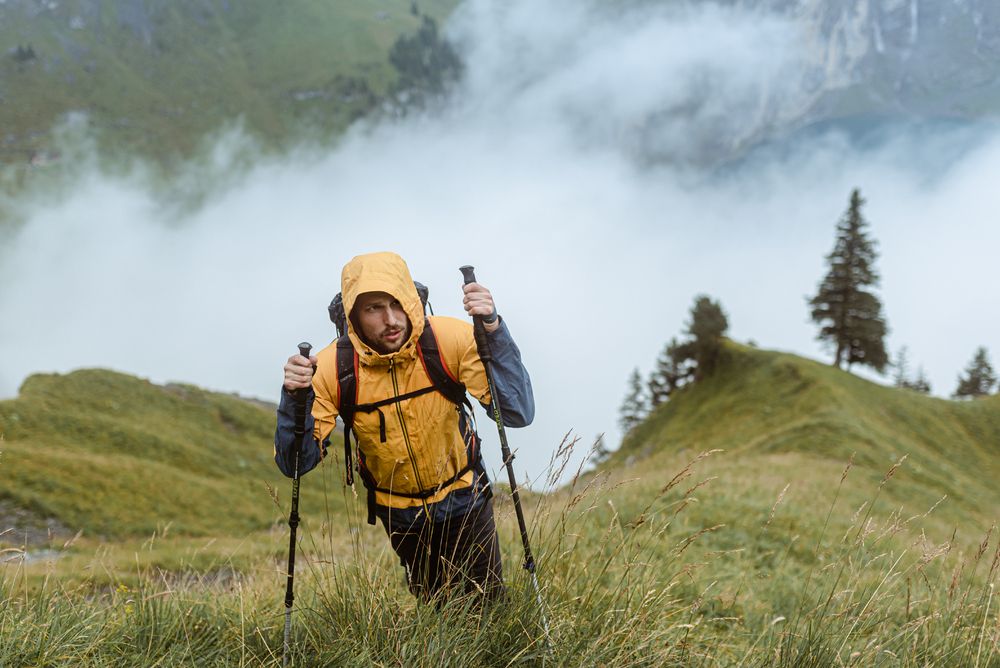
<point>907,57</point>
<point>849,66</point>
<point>763,404</point>
<point>153,78</point>
<point>118,456</point>
<point>869,62</point>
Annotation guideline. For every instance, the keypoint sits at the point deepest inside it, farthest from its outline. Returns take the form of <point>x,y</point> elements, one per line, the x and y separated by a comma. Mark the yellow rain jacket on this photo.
<point>427,439</point>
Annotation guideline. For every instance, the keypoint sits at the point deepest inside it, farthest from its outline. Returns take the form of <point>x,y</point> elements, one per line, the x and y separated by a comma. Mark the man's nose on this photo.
<point>391,318</point>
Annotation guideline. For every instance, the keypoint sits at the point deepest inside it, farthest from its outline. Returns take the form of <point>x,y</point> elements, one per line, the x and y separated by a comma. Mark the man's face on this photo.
<point>383,322</point>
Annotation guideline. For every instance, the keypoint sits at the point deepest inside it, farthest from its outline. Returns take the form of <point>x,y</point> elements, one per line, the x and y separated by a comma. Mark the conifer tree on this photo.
<point>673,368</point>
<point>901,377</point>
<point>979,377</point>
<point>902,366</point>
<point>634,407</point>
<point>921,384</point>
<point>425,62</point>
<point>850,315</point>
<point>707,327</point>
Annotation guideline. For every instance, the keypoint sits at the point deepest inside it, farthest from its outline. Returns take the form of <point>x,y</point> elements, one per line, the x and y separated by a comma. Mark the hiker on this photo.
<point>419,457</point>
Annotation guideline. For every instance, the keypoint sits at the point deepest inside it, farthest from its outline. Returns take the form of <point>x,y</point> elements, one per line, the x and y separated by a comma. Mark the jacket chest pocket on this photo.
<point>387,460</point>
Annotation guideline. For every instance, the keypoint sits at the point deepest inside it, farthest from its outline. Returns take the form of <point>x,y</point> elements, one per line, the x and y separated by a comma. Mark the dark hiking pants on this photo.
<point>458,556</point>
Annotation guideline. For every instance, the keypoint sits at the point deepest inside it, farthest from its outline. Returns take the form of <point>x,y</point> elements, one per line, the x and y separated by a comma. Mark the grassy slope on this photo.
<point>782,500</point>
<point>118,456</point>
<point>767,554</point>
<point>123,456</point>
<point>155,77</point>
<point>778,406</point>
<point>778,543</point>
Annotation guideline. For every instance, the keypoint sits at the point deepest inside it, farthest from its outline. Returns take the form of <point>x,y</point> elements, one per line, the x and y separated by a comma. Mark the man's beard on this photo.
<point>386,349</point>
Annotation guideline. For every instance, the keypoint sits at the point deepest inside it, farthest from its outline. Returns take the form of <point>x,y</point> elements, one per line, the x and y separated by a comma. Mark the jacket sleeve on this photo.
<point>510,378</point>
<point>284,437</point>
<point>321,418</point>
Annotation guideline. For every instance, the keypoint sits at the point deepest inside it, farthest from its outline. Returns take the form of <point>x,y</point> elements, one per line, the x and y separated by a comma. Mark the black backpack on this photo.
<point>347,385</point>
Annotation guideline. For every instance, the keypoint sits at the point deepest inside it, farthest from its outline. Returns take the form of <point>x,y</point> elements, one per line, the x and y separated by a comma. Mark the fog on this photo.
<point>537,171</point>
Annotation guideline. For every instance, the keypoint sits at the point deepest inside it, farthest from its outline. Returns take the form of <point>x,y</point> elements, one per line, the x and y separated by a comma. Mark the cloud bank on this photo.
<point>537,172</point>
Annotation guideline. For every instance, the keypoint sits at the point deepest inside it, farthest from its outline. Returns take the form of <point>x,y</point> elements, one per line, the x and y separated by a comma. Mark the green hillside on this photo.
<point>781,550</point>
<point>154,78</point>
<point>117,456</point>
<point>764,404</point>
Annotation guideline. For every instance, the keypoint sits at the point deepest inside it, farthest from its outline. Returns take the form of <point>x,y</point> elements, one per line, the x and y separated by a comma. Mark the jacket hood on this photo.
<point>381,272</point>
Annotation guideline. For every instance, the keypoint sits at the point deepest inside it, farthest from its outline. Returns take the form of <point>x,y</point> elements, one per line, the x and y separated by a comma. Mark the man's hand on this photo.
<point>299,372</point>
<point>479,301</point>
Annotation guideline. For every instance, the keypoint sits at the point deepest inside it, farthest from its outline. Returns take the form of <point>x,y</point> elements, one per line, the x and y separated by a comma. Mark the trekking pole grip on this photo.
<point>304,349</point>
<point>478,328</point>
<point>469,272</point>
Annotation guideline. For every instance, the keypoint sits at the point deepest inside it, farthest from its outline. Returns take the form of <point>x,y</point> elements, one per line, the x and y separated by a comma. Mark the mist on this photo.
<point>593,225</point>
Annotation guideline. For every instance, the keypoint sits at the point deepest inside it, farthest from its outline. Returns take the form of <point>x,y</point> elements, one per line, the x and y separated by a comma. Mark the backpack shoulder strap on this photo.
<point>438,372</point>
<point>347,393</point>
<point>347,384</point>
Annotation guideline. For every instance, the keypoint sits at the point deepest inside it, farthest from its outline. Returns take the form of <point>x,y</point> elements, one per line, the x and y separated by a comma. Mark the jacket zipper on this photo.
<point>406,434</point>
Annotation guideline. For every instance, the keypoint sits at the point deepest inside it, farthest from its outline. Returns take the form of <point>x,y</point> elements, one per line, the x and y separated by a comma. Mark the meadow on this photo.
<point>779,513</point>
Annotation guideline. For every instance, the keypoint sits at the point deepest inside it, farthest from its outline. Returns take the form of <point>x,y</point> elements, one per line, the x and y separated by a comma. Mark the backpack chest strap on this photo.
<point>377,407</point>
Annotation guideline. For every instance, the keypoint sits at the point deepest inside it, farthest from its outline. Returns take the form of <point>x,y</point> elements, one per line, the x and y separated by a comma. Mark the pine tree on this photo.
<point>902,379</point>
<point>979,377</point>
<point>24,54</point>
<point>673,369</point>
<point>634,408</point>
<point>849,315</point>
<point>425,62</point>
<point>921,384</point>
<point>707,327</point>
<point>902,366</point>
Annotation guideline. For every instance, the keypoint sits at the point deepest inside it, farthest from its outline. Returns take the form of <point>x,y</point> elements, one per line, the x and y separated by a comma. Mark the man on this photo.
<point>418,453</point>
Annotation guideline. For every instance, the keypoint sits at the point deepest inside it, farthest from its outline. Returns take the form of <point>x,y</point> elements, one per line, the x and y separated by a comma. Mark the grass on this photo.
<point>157,88</point>
<point>733,540</point>
<point>775,403</point>
<point>646,588</point>
<point>111,454</point>
<point>155,79</point>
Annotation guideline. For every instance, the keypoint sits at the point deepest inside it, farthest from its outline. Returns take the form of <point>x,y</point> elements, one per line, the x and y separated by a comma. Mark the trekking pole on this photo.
<point>301,399</point>
<point>483,345</point>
